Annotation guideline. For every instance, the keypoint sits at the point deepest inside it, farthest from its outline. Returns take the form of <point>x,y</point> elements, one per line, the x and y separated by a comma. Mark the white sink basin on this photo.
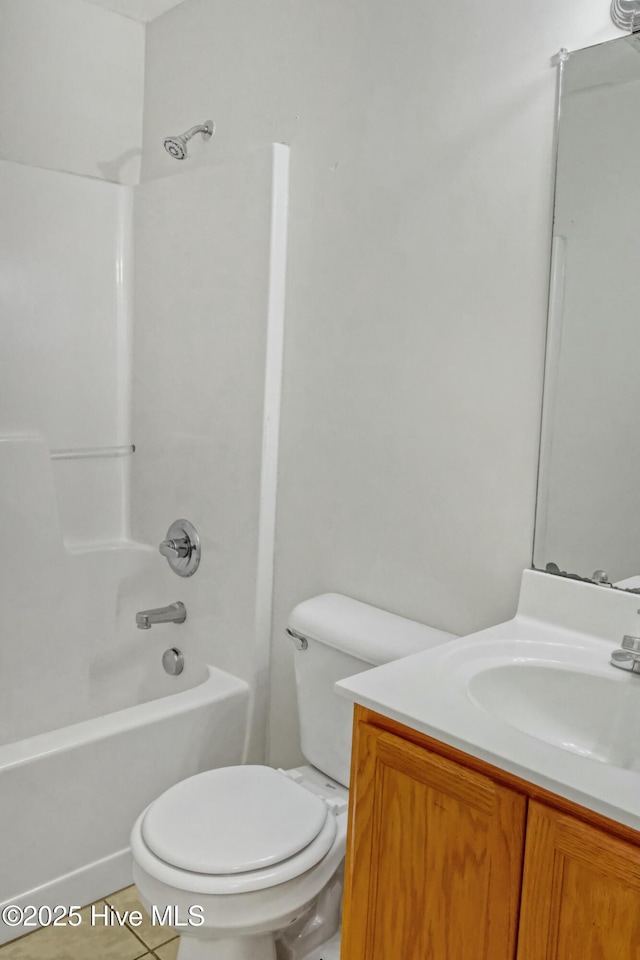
<point>592,714</point>
<point>535,696</point>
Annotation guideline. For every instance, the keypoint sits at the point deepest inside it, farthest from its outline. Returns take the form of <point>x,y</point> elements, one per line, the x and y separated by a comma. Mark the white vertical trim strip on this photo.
<point>256,737</point>
<point>552,359</point>
<point>124,344</point>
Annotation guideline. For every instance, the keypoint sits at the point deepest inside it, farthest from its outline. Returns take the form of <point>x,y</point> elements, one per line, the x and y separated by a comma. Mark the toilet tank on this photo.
<point>343,637</point>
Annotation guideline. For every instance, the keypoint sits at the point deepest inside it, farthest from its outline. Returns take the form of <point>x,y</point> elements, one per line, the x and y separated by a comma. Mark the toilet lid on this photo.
<point>232,820</point>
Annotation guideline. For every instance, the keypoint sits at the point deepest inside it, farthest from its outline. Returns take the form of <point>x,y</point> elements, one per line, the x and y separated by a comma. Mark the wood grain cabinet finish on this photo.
<point>438,867</point>
<point>434,859</point>
<point>581,891</point>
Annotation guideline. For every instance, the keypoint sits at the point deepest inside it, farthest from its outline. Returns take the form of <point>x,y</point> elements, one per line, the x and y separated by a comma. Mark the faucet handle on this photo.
<point>179,547</point>
<point>631,643</point>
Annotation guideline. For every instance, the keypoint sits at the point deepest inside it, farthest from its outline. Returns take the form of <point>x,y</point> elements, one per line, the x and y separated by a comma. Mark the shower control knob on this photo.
<point>175,548</point>
<point>182,548</point>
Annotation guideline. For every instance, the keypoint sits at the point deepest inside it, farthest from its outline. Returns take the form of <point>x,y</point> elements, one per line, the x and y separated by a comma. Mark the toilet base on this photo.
<point>330,950</point>
<point>231,948</point>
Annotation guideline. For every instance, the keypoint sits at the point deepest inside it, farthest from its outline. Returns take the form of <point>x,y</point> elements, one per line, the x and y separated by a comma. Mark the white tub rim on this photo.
<point>219,685</point>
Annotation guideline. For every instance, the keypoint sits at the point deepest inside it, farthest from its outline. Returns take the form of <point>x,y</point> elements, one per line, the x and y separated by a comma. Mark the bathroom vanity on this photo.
<point>495,791</point>
<point>450,857</point>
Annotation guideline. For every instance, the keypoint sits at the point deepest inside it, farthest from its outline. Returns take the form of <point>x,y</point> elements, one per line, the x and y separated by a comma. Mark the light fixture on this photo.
<point>626,14</point>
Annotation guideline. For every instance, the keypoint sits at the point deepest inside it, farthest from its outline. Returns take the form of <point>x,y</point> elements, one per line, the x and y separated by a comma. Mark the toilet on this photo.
<point>235,858</point>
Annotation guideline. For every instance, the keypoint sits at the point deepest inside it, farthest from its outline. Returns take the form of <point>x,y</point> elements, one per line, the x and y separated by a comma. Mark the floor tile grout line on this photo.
<point>138,937</point>
<point>134,930</point>
<point>144,942</point>
<point>149,951</point>
<point>161,946</point>
<point>31,933</point>
<point>125,926</point>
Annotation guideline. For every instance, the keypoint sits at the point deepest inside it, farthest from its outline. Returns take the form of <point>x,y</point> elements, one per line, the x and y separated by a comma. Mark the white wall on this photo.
<point>421,152</point>
<point>71,88</point>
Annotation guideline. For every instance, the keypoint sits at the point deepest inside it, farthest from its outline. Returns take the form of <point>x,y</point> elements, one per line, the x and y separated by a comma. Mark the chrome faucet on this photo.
<point>628,657</point>
<point>174,613</point>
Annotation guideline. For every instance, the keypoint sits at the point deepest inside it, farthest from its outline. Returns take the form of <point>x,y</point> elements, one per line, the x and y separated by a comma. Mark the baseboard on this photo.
<point>78,888</point>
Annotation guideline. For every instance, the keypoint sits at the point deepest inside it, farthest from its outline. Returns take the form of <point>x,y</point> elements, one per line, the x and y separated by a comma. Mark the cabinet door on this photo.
<point>581,891</point>
<point>434,857</point>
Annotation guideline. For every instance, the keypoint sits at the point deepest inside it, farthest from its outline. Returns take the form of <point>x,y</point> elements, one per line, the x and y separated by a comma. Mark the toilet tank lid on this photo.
<point>360,630</point>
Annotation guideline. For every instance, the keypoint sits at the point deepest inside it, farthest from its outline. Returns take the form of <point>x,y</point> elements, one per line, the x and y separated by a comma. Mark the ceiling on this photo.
<point>143,10</point>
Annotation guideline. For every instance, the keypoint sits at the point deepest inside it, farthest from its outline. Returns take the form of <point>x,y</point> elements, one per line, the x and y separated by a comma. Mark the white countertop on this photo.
<point>428,692</point>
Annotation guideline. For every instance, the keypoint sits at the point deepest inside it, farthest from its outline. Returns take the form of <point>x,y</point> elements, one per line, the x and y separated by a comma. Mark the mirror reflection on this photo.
<point>588,511</point>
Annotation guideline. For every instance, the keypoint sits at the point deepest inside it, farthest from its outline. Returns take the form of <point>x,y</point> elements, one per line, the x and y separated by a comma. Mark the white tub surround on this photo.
<point>68,798</point>
<point>210,251</point>
<point>72,650</point>
<point>65,366</point>
<point>73,661</point>
<point>524,695</point>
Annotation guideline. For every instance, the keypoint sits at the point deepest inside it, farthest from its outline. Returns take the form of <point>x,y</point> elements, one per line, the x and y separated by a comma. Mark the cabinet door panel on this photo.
<point>434,857</point>
<point>581,891</point>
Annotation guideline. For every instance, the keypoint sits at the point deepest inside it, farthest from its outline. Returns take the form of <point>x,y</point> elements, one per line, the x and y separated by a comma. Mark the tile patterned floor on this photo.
<point>98,942</point>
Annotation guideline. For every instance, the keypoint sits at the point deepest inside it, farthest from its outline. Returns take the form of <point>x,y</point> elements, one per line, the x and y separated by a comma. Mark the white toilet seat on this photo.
<point>288,805</point>
<point>233,820</point>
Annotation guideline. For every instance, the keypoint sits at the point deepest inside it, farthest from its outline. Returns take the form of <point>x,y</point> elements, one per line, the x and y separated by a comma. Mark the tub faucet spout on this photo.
<point>174,613</point>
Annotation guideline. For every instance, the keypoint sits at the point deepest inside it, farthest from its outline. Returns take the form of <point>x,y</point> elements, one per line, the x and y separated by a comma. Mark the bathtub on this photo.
<point>68,798</point>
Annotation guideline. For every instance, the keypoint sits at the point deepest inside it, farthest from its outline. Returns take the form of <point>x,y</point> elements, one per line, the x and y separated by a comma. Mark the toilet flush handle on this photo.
<point>301,642</point>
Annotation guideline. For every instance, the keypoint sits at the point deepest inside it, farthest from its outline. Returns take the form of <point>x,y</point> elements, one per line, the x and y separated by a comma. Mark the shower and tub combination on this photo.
<point>94,721</point>
<point>67,796</point>
<point>118,678</point>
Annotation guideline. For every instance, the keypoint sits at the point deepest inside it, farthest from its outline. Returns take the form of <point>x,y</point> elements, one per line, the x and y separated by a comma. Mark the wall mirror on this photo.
<point>588,506</point>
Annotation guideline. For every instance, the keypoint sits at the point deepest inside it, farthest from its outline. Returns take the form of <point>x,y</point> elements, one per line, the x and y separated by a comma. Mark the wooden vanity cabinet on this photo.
<point>581,891</point>
<point>449,858</point>
<point>434,858</point>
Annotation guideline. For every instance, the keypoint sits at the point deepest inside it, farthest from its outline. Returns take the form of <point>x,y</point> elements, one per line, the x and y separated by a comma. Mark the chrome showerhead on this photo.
<point>176,147</point>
